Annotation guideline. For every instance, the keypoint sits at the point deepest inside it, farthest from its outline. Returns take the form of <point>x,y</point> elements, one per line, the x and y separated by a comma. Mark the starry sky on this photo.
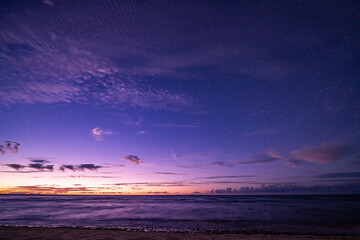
<point>179,97</point>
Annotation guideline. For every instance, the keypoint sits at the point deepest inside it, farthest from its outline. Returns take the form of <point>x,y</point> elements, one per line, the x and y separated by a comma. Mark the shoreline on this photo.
<point>185,230</point>
<point>76,233</point>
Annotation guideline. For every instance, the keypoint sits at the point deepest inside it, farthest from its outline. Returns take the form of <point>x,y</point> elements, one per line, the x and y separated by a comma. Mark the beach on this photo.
<point>32,233</point>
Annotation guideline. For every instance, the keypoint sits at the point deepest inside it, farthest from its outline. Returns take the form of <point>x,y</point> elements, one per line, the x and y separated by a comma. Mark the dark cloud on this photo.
<point>157,192</point>
<point>176,183</point>
<point>260,159</point>
<point>175,125</point>
<point>223,164</point>
<point>326,153</point>
<point>132,158</point>
<point>15,166</point>
<point>81,167</point>
<point>2,149</point>
<point>193,166</point>
<point>349,187</point>
<point>10,146</point>
<point>85,176</point>
<point>356,163</point>
<point>39,161</point>
<point>228,176</point>
<point>225,182</point>
<point>41,167</point>
<point>168,173</point>
<point>19,171</point>
<point>70,167</point>
<point>91,167</point>
<point>340,175</point>
<point>156,184</point>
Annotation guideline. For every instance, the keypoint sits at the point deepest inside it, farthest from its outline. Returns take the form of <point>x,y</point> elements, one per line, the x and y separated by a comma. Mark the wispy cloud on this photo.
<point>340,175</point>
<point>227,176</point>
<point>260,159</point>
<point>293,162</point>
<point>133,158</point>
<point>259,133</point>
<point>142,132</point>
<point>60,69</point>
<point>326,153</point>
<point>67,64</point>
<point>175,156</point>
<point>259,113</point>
<point>48,2</point>
<point>174,125</point>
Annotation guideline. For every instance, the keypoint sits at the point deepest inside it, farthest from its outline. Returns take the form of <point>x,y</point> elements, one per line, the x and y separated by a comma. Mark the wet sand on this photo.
<point>35,233</point>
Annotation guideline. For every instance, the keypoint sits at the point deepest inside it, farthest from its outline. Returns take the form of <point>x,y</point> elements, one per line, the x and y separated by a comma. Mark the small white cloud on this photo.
<point>98,133</point>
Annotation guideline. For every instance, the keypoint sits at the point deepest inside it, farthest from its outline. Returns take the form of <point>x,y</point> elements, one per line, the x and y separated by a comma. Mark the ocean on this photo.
<point>316,214</point>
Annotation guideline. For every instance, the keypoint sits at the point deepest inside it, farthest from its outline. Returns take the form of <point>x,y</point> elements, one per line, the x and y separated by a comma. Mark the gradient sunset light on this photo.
<point>192,97</point>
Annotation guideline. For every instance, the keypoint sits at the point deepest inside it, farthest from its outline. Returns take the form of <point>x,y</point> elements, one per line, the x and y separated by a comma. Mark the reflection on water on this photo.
<point>336,213</point>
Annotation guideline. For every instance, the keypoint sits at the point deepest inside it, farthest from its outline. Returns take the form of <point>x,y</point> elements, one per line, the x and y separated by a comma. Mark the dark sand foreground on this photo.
<point>34,233</point>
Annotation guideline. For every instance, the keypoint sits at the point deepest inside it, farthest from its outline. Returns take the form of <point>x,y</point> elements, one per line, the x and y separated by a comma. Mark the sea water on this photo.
<point>291,213</point>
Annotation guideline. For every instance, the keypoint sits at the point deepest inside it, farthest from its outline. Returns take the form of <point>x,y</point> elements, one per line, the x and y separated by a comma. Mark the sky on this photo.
<point>179,97</point>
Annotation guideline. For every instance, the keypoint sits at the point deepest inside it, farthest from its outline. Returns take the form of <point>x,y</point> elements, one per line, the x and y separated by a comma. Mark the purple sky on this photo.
<point>180,97</point>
